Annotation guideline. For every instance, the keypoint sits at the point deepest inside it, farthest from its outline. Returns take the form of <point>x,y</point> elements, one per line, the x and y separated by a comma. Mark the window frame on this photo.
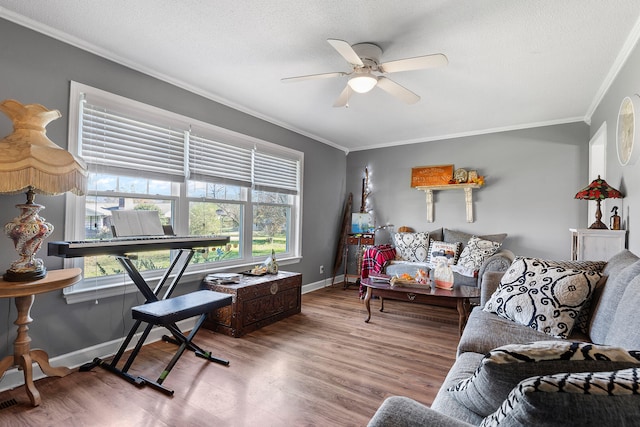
<point>102,287</point>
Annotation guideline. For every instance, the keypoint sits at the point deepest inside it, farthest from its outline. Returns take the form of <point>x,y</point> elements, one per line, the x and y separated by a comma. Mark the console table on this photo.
<point>23,357</point>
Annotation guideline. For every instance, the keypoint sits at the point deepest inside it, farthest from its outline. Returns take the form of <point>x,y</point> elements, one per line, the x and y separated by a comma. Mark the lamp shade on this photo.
<point>363,82</point>
<point>598,190</point>
<point>31,161</point>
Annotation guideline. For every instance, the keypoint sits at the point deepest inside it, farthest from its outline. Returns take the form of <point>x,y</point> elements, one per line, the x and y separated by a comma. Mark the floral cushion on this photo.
<point>412,247</point>
<point>542,295</point>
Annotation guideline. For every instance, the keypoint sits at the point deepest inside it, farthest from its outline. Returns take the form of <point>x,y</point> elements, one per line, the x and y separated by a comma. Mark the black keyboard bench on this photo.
<point>166,313</point>
<point>174,309</point>
<point>169,311</point>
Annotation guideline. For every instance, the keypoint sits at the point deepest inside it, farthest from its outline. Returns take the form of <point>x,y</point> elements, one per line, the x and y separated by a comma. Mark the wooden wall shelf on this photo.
<point>468,196</point>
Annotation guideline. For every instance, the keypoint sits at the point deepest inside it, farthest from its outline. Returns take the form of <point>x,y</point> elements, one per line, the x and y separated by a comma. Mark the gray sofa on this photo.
<point>611,320</point>
<point>499,261</point>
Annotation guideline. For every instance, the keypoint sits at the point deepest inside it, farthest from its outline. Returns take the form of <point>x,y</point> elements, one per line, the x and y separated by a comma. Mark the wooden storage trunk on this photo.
<point>257,301</point>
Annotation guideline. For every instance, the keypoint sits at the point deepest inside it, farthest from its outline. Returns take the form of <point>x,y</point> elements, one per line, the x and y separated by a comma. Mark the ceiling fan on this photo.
<point>368,72</point>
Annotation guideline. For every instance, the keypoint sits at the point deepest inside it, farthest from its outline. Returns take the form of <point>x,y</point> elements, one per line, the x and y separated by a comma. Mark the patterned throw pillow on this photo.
<point>579,265</point>
<point>504,367</point>
<point>585,398</point>
<point>412,247</point>
<point>474,254</point>
<point>543,296</point>
<point>438,249</point>
<point>582,321</point>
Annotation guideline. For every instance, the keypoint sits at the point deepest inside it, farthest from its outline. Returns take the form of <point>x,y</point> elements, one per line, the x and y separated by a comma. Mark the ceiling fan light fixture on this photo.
<point>363,83</point>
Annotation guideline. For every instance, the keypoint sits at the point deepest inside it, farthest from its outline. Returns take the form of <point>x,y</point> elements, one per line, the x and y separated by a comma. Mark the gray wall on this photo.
<point>531,178</point>
<point>38,69</point>
<point>625,178</point>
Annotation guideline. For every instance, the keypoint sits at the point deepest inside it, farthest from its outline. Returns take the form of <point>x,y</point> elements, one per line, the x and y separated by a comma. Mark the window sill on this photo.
<point>78,293</point>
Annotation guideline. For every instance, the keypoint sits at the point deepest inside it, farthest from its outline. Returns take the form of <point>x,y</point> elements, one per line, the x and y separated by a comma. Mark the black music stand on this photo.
<point>165,311</point>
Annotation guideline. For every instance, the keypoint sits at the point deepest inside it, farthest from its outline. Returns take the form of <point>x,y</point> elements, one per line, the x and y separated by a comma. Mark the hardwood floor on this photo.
<point>323,367</point>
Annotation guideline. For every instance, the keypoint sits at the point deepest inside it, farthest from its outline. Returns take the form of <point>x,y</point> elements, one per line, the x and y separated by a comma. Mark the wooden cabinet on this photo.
<point>596,245</point>
<point>257,301</point>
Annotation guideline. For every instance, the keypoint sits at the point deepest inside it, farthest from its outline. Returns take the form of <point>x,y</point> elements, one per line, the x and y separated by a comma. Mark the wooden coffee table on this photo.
<point>457,297</point>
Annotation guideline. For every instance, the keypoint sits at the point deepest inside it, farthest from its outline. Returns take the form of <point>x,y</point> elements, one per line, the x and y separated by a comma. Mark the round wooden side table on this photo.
<point>23,356</point>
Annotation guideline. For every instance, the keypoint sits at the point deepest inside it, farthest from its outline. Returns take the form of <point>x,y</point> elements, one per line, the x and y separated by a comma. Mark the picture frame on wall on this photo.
<point>361,223</point>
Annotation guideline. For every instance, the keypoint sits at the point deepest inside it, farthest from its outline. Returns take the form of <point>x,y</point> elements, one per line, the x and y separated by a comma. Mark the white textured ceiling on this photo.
<point>512,63</point>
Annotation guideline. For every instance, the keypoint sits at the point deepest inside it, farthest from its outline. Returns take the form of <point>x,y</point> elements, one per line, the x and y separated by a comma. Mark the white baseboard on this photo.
<point>15,378</point>
<point>320,284</point>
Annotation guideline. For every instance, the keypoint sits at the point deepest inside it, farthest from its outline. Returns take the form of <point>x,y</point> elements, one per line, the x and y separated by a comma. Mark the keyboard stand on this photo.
<point>165,311</point>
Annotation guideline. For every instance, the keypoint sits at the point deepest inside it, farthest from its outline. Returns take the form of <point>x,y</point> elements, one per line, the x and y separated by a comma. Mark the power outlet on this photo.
<point>322,269</point>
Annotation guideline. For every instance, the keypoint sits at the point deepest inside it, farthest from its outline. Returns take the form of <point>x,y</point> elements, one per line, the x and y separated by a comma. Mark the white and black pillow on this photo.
<point>587,398</point>
<point>582,321</point>
<point>474,254</point>
<point>413,247</point>
<point>542,295</point>
<point>504,367</point>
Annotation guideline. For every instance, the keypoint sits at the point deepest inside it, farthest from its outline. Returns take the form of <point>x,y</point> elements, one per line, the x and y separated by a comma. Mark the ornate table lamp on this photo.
<point>31,163</point>
<point>598,190</point>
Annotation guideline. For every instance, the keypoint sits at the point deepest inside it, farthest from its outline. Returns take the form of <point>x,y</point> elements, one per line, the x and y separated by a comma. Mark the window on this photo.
<point>201,179</point>
<point>217,209</point>
<point>271,214</point>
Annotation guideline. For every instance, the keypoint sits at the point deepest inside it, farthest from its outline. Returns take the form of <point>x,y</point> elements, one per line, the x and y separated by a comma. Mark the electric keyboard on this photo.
<point>124,245</point>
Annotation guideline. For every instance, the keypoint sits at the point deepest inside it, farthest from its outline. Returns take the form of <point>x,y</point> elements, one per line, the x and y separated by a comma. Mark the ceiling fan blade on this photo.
<point>346,51</point>
<point>397,90</point>
<point>417,63</point>
<point>312,76</point>
<point>343,99</point>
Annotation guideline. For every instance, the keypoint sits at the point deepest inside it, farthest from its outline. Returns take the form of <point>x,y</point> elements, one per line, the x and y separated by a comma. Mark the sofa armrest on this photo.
<point>398,411</point>
<point>490,282</point>
<point>500,261</point>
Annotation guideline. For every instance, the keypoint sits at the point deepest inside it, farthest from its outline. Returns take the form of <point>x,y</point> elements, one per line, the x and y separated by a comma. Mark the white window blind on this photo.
<point>275,173</point>
<point>127,138</point>
<point>115,143</point>
<point>213,161</point>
